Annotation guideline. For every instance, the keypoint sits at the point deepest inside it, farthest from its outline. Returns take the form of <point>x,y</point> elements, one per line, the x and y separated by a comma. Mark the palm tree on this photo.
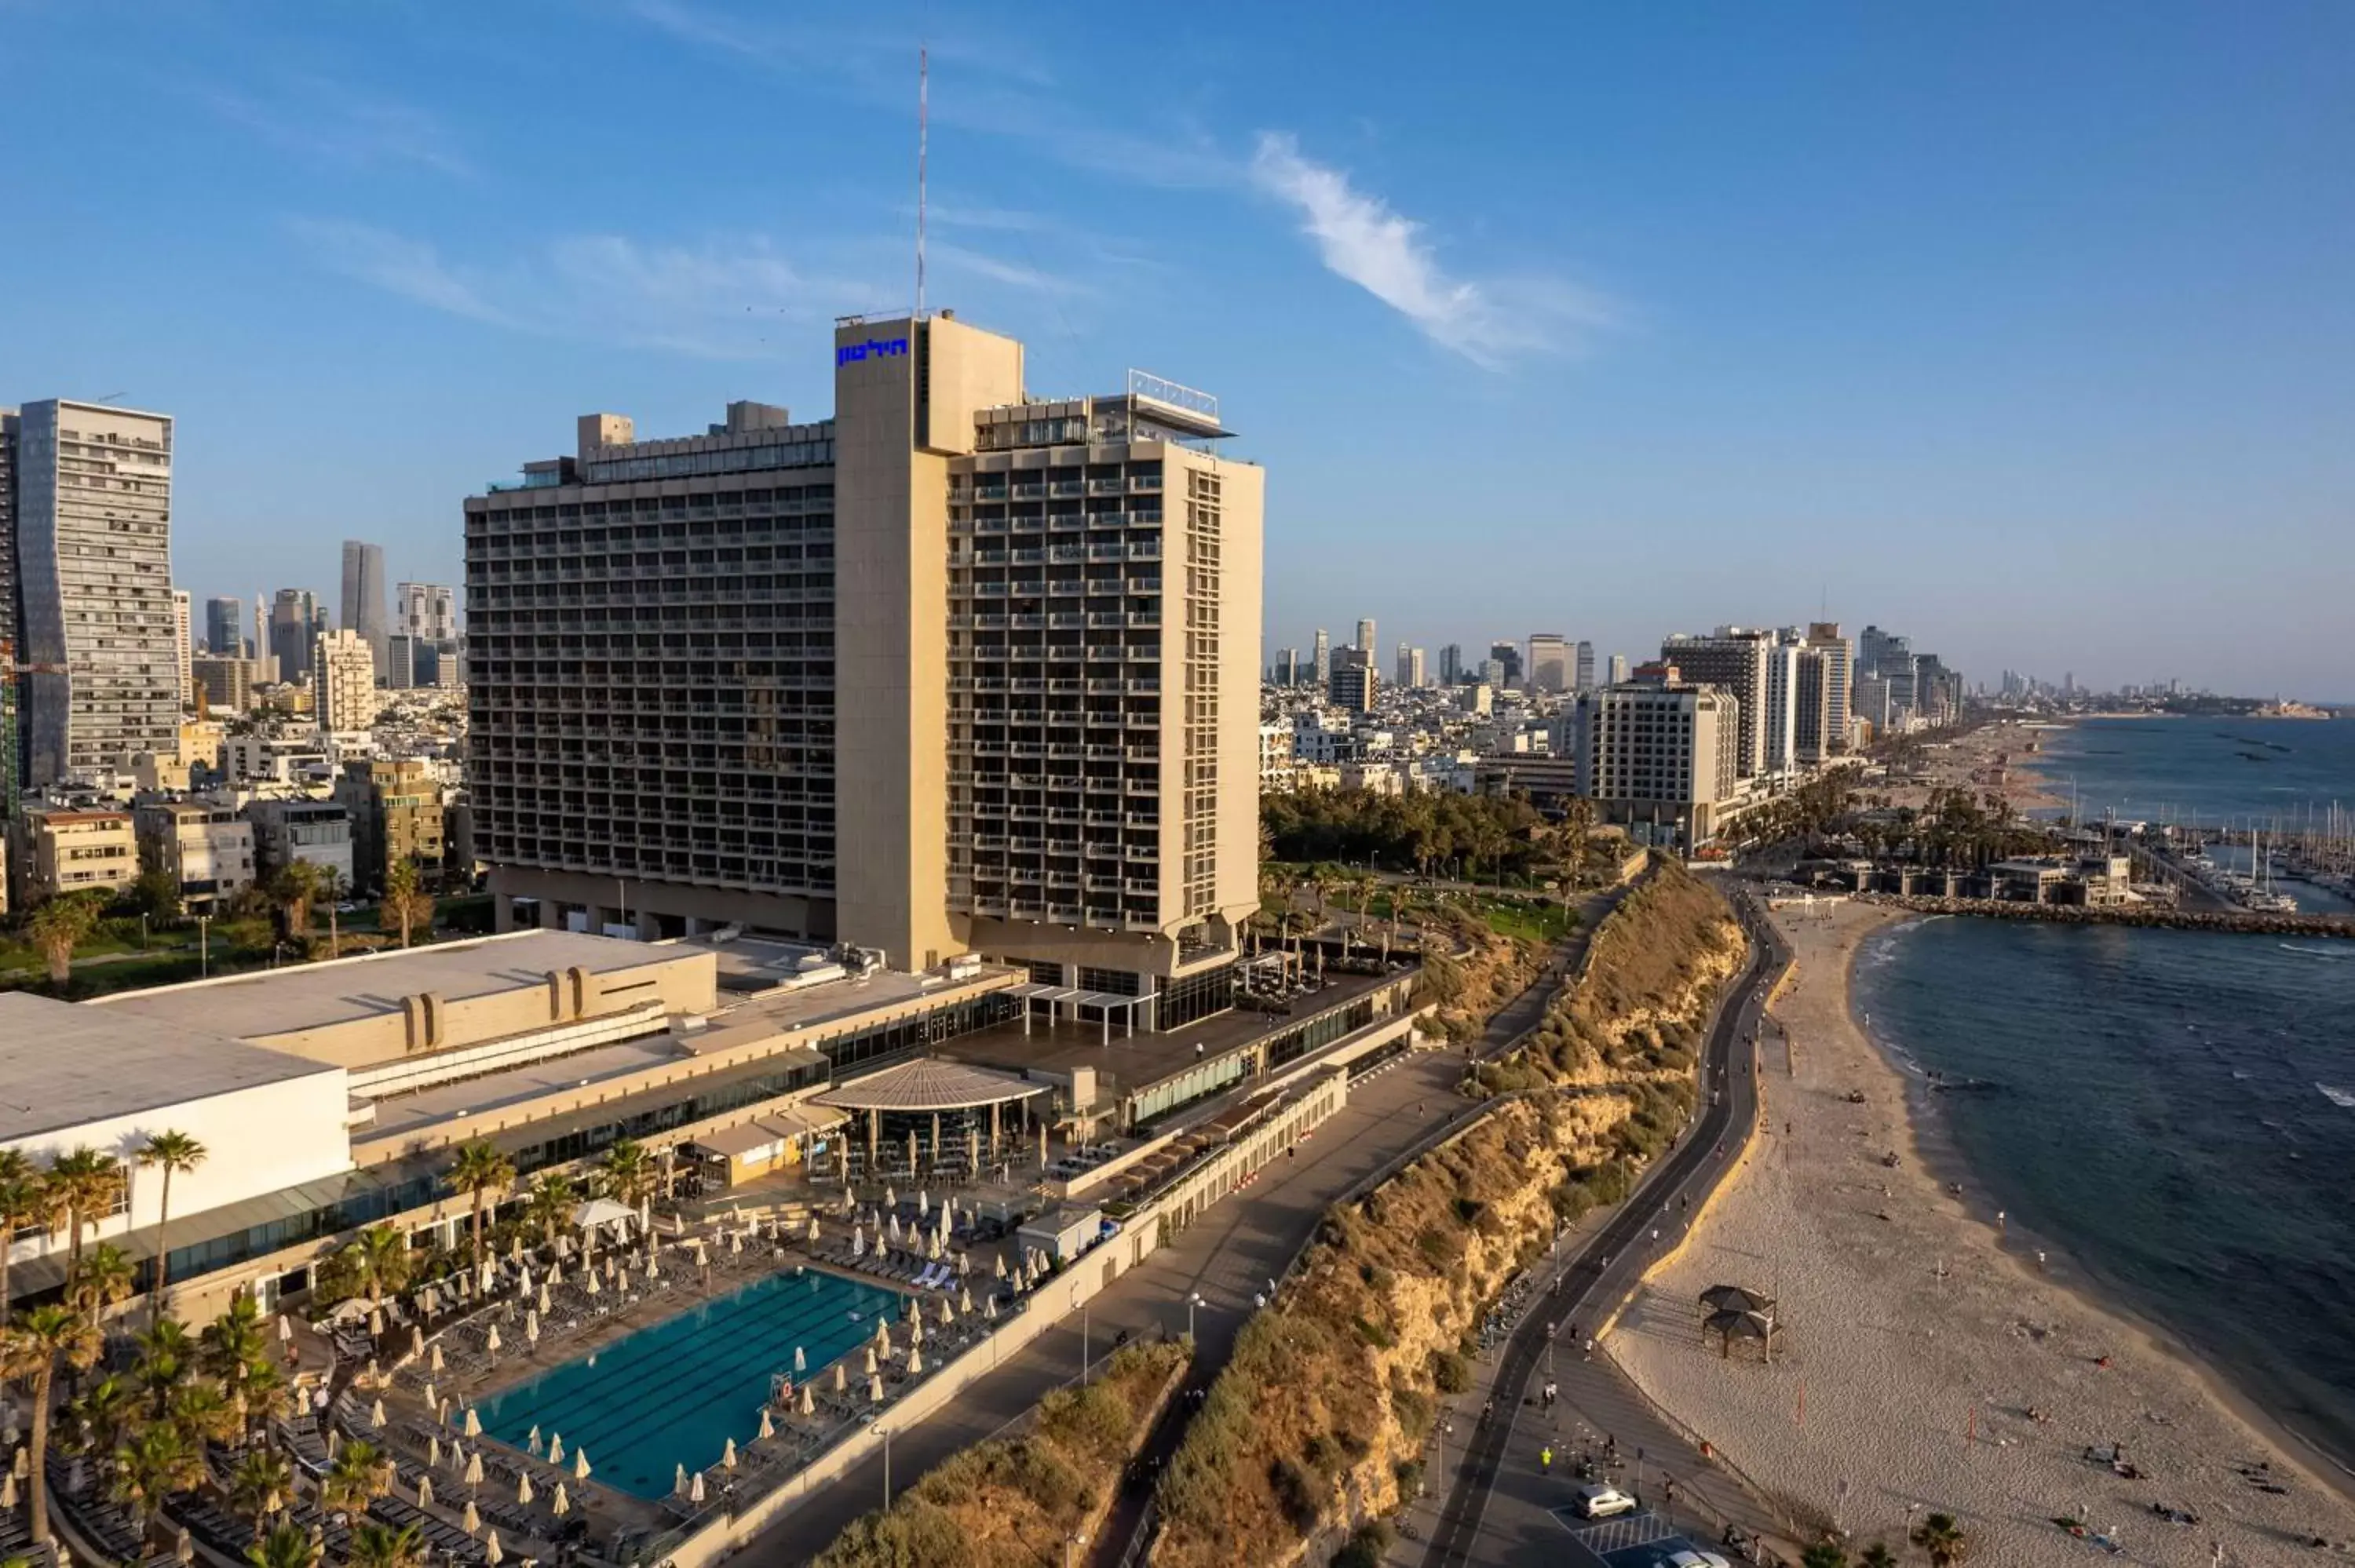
<point>31,1353</point>
<point>232,1348</point>
<point>287,1546</point>
<point>259,1485</point>
<point>629,1174</point>
<point>82,1185</point>
<point>376,1545</point>
<point>99,1420</point>
<point>203,1413</point>
<point>552,1197</point>
<point>106,1278</point>
<point>167,1359</point>
<point>1941,1535</point>
<point>168,1151</point>
<point>58,928</point>
<point>360,1474</point>
<point>480,1169</point>
<point>293,887</point>
<point>405,904</point>
<point>21,1204</point>
<point>153,1464</point>
<point>1877,1555</point>
<point>381,1254</point>
<point>1824,1554</point>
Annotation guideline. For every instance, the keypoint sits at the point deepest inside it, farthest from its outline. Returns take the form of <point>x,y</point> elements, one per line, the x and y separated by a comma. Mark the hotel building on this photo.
<point>958,670</point>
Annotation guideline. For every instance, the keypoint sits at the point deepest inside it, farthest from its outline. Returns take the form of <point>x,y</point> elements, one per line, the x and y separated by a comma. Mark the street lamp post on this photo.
<point>1193,1299</point>
<point>204,945</point>
<point>879,1430</point>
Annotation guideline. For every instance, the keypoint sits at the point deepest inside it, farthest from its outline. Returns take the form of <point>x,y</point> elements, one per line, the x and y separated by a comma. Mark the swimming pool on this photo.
<point>673,1392</point>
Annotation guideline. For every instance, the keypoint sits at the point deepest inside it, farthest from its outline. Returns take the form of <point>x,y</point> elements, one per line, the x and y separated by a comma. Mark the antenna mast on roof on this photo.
<point>923,130</point>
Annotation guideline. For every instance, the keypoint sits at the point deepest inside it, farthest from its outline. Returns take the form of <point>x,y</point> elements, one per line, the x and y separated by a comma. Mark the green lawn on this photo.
<point>1535,920</point>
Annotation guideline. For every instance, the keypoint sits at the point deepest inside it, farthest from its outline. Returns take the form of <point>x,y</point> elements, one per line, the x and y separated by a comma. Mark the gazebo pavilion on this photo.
<point>944,1114</point>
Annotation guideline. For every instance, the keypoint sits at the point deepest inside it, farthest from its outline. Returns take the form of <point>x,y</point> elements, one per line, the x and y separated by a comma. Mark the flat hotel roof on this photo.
<point>311,996</point>
<point>65,1065</point>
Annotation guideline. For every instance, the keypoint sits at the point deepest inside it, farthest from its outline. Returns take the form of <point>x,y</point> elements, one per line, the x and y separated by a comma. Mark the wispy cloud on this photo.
<point>721,300</point>
<point>332,123</point>
<point>1361,238</point>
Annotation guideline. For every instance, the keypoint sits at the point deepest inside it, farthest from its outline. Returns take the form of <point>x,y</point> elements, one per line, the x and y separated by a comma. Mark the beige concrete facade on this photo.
<point>206,850</point>
<point>74,851</point>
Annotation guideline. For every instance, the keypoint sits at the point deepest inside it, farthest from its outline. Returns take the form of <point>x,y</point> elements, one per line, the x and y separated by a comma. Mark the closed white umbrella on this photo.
<point>989,1308</point>
<point>285,1328</point>
<point>554,1274</point>
<point>491,1339</point>
<point>871,1362</point>
<point>474,1469</point>
<point>915,1361</point>
<point>8,1492</point>
<point>531,1444</point>
<point>432,1449</point>
<point>433,1399</point>
<point>768,1427</point>
<point>875,1389</point>
<point>965,1264</point>
<point>473,1422</point>
<point>531,1327</point>
<point>23,1465</point>
<point>801,1360</point>
<point>523,1488</point>
<point>965,1301</point>
<point>894,1223</point>
<point>857,1242</point>
<point>376,1414</point>
<point>580,1465</point>
<point>891,1196</point>
<point>560,1504</point>
<point>947,1316</point>
<point>589,1281</point>
<point>652,1272</point>
<point>424,1491</point>
<point>376,1321</point>
<point>679,1479</point>
<point>809,1400</point>
<point>882,1339</point>
<point>1001,1265</point>
<point>736,1243</point>
<point>556,1447</point>
<point>694,1489</point>
<point>841,1379</point>
<point>543,1297</point>
<point>437,1357</point>
<point>474,1518</point>
<point>812,1229</point>
<point>934,1252</point>
<point>916,1333</point>
<point>491,1552</point>
<point>523,1280</point>
<point>727,1454</point>
<point>923,1203</point>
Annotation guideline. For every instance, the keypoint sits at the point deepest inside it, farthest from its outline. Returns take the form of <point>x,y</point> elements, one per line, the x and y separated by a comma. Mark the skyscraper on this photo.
<point>1838,670</point>
<point>296,621</point>
<point>224,621</point>
<point>344,676</point>
<point>1320,662</point>
<point>1366,643</point>
<point>1549,666</point>
<point>10,760</point>
<point>1735,659</point>
<point>426,611</point>
<point>980,673</point>
<point>1506,657</point>
<point>1584,678</point>
<point>1618,669</point>
<point>364,596</point>
<point>92,524</point>
<point>1451,664</point>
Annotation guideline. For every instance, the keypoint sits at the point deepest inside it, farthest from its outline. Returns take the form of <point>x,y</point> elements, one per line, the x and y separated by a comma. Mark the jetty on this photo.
<point>2246,922</point>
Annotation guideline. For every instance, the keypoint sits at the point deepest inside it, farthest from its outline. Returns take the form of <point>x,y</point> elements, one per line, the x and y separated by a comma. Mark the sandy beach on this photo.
<point>1916,1346</point>
<point>1993,756</point>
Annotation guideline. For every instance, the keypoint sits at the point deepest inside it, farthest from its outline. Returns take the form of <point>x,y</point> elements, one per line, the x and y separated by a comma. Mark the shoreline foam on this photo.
<point>1916,1341</point>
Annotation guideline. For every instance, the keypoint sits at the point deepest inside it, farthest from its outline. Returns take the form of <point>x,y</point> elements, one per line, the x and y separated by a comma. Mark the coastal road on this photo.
<point>1598,1275</point>
<point>1225,1258</point>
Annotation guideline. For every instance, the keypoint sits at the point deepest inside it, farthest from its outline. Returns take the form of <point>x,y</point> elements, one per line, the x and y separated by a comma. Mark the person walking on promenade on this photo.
<point>1545,1460</point>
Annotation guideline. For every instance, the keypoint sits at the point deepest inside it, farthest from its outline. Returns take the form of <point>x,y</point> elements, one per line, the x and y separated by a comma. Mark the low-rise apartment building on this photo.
<point>206,849</point>
<point>319,832</point>
<point>73,851</point>
<point>396,806</point>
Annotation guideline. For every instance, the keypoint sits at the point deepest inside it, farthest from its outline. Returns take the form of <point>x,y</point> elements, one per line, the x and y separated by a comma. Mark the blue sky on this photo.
<point>2025,328</point>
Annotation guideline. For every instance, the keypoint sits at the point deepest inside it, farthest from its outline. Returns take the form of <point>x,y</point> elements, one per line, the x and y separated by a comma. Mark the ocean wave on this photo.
<point>2343,1098</point>
<point>2330,954</point>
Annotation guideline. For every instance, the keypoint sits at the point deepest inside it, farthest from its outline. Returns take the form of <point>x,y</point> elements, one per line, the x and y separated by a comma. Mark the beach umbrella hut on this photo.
<point>474,1469</point>
<point>473,1422</point>
<point>424,1491</point>
<point>768,1427</point>
<point>1736,1298</point>
<point>375,1415</point>
<point>491,1552</point>
<point>523,1488</point>
<point>561,1503</point>
<point>809,1402</point>
<point>841,1379</point>
<point>435,1359</point>
<point>474,1518</point>
<point>727,1454</point>
<point>580,1465</point>
<point>801,1360</point>
<point>694,1489</point>
<point>556,1447</point>
<point>1728,1325</point>
<point>915,1361</point>
<point>532,1444</point>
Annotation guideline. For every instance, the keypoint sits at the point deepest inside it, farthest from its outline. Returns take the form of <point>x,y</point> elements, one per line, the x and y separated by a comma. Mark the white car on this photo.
<point>1600,1502</point>
<point>1695,1557</point>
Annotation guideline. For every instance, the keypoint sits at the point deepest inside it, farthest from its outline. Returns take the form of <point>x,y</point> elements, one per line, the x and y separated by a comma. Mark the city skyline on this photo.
<point>1800,360</point>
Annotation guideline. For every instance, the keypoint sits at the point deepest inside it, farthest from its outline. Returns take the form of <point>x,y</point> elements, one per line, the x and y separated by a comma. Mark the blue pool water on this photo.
<point>675,1392</point>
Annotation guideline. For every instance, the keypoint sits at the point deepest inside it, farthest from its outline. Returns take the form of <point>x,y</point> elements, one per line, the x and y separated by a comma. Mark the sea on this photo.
<point>2173,1112</point>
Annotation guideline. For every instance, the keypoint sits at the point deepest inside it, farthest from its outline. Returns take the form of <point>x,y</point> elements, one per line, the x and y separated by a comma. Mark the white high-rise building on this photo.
<point>1366,644</point>
<point>93,548</point>
<point>343,673</point>
<point>1657,754</point>
<point>181,650</point>
<point>1781,710</point>
<point>1735,659</point>
<point>426,611</point>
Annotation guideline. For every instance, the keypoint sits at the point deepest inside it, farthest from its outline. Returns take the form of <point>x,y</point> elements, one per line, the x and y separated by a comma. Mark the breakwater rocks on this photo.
<point>2247,922</point>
